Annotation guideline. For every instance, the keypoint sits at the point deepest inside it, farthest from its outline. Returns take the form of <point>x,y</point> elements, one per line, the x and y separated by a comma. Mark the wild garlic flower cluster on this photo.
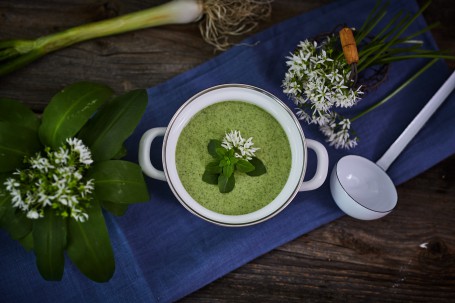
<point>55,180</point>
<point>243,147</point>
<point>338,132</point>
<point>318,83</point>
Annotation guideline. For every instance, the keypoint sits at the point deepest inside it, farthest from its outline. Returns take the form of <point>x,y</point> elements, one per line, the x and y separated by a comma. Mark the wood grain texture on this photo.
<point>407,256</point>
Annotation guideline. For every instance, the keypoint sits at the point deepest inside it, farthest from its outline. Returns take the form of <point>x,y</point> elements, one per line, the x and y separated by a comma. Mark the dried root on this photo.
<point>223,18</point>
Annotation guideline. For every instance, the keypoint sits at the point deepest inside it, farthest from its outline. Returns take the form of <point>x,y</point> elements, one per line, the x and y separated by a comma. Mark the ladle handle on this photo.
<point>419,121</point>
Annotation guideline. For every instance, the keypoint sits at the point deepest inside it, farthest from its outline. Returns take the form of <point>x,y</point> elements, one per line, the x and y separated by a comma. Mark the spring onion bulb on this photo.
<point>217,19</point>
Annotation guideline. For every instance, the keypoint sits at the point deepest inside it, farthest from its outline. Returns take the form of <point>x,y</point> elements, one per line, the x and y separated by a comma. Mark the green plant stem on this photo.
<point>423,55</point>
<point>375,45</point>
<point>26,51</point>
<point>372,20</point>
<point>155,16</point>
<point>397,90</point>
<point>384,48</point>
<point>367,63</point>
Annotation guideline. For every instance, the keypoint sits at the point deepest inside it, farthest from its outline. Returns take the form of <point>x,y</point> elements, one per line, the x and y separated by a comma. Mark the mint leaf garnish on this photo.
<point>226,184</point>
<point>244,166</point>
<point>228,170</point>
<point>213,168</point>
<point>232,154</point>
<point>213,145</point>
<point>259,168</point>
<point>210,178</point>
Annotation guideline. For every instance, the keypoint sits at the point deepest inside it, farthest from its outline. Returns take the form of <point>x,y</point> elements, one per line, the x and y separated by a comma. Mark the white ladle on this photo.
<point>362,188</point>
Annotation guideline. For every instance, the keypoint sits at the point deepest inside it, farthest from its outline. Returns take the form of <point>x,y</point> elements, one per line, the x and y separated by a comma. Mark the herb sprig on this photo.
<point>59,170</point>
<point>232,154</point>
<point>318,79</point>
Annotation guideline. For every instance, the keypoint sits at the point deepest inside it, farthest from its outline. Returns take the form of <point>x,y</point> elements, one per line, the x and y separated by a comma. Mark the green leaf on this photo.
<point>27,241</point>
<point>212,146</point>
<point>226,184</point>
<point>115,208</point>
<point>210,178</point>
<point>69,110</point>
<point>15,222</point>
<point>89,246</point>
<point>5,198</point>
<point>16,142</point>
<point>228,170</point>
<point>234,160</point>
<point>113,124</point>
<point>213,167</point>
<point>230,153</point>
<point>244,166</point>
<point>121,153</point>
<point>259,168</point>
<point>4,205</point>
<point>49,240</point>
<point>224,162</point>
<point>119,181</point>
<point>220,151</point>
<point>16,113</point>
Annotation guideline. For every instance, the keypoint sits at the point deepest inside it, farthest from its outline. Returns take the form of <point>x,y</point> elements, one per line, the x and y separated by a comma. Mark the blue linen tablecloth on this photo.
<point>162,251</point>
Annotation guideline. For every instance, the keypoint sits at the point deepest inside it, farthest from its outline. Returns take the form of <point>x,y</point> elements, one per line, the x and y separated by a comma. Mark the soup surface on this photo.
<point>250,193</point>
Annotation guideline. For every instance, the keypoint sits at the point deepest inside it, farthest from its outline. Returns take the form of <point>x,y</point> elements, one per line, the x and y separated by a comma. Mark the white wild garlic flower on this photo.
<point>338,132</point>
<point>54,181</point>
<point>318,84</point>
<point>243,147</point>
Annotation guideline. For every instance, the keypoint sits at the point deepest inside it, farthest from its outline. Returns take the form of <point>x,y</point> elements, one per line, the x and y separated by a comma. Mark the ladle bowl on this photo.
<point>362,188</point>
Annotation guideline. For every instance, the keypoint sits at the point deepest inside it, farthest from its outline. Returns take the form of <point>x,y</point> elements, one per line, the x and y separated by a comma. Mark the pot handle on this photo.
<point>144,153</point>
<point>322,168</point>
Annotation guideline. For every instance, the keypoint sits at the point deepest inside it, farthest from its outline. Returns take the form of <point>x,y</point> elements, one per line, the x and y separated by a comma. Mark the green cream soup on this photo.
<point>249,193</point>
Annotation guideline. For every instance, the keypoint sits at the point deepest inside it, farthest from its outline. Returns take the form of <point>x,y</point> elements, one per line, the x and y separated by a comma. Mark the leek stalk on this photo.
<point>219,18</point>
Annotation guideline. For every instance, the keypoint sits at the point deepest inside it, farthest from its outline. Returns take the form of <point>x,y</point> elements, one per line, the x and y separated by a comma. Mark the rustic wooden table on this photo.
<point>406,256</point>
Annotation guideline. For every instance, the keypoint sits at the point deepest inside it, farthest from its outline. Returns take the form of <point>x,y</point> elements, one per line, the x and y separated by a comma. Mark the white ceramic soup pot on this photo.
<point>249,94</point>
